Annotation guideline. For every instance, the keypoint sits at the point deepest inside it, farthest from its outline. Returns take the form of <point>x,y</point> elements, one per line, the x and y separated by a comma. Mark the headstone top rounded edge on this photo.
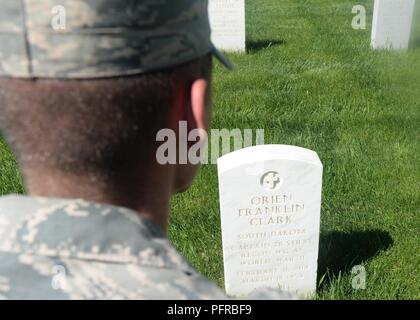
<point>267,152</point>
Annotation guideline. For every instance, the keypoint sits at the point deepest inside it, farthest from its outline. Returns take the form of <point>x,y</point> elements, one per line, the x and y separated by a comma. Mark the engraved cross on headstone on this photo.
<point>272,179</point>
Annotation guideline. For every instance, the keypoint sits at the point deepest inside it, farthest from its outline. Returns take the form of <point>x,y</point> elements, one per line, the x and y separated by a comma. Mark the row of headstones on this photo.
<point>391,26</point>
<point>270,195</point>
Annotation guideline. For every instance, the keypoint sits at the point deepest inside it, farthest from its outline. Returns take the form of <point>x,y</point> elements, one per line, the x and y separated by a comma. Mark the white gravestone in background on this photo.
<point>270,202</point>
<point>227,20</point>
<point>392,23</point>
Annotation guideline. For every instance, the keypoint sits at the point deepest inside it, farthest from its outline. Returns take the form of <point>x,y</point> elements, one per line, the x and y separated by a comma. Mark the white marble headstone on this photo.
<point>270,202</point>
<point>227,20</point>
<point>392,24</point>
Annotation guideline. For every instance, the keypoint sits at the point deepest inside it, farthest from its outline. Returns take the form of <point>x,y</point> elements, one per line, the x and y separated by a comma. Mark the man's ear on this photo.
<point>198,113</point>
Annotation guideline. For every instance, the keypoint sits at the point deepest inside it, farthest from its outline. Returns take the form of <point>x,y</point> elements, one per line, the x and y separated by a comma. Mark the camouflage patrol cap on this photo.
<point>78,39</point>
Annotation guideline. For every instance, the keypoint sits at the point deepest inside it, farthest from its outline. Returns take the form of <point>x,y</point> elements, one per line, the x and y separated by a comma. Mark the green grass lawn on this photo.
<point>310,80</point>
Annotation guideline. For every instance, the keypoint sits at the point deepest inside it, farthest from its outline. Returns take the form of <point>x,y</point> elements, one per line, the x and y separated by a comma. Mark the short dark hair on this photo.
<point>98,124</point>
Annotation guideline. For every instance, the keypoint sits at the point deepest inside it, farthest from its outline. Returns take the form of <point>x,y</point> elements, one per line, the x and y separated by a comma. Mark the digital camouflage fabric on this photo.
<point>73,249</point>
<point>100,38</point>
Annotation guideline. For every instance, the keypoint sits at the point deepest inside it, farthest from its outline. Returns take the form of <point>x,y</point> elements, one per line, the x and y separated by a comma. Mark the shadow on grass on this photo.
<point>341,251</point>
<point>254,46</point>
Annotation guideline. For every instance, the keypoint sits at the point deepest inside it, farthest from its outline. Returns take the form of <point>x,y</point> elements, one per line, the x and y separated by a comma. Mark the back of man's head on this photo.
<point>96,125</point>
<point>89,97</point>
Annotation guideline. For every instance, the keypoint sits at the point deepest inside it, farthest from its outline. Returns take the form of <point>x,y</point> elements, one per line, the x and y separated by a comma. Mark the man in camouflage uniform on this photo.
<point>84,87</point>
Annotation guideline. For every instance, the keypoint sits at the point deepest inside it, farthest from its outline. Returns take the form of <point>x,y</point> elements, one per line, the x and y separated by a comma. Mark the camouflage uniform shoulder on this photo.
<point>73,249</point>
